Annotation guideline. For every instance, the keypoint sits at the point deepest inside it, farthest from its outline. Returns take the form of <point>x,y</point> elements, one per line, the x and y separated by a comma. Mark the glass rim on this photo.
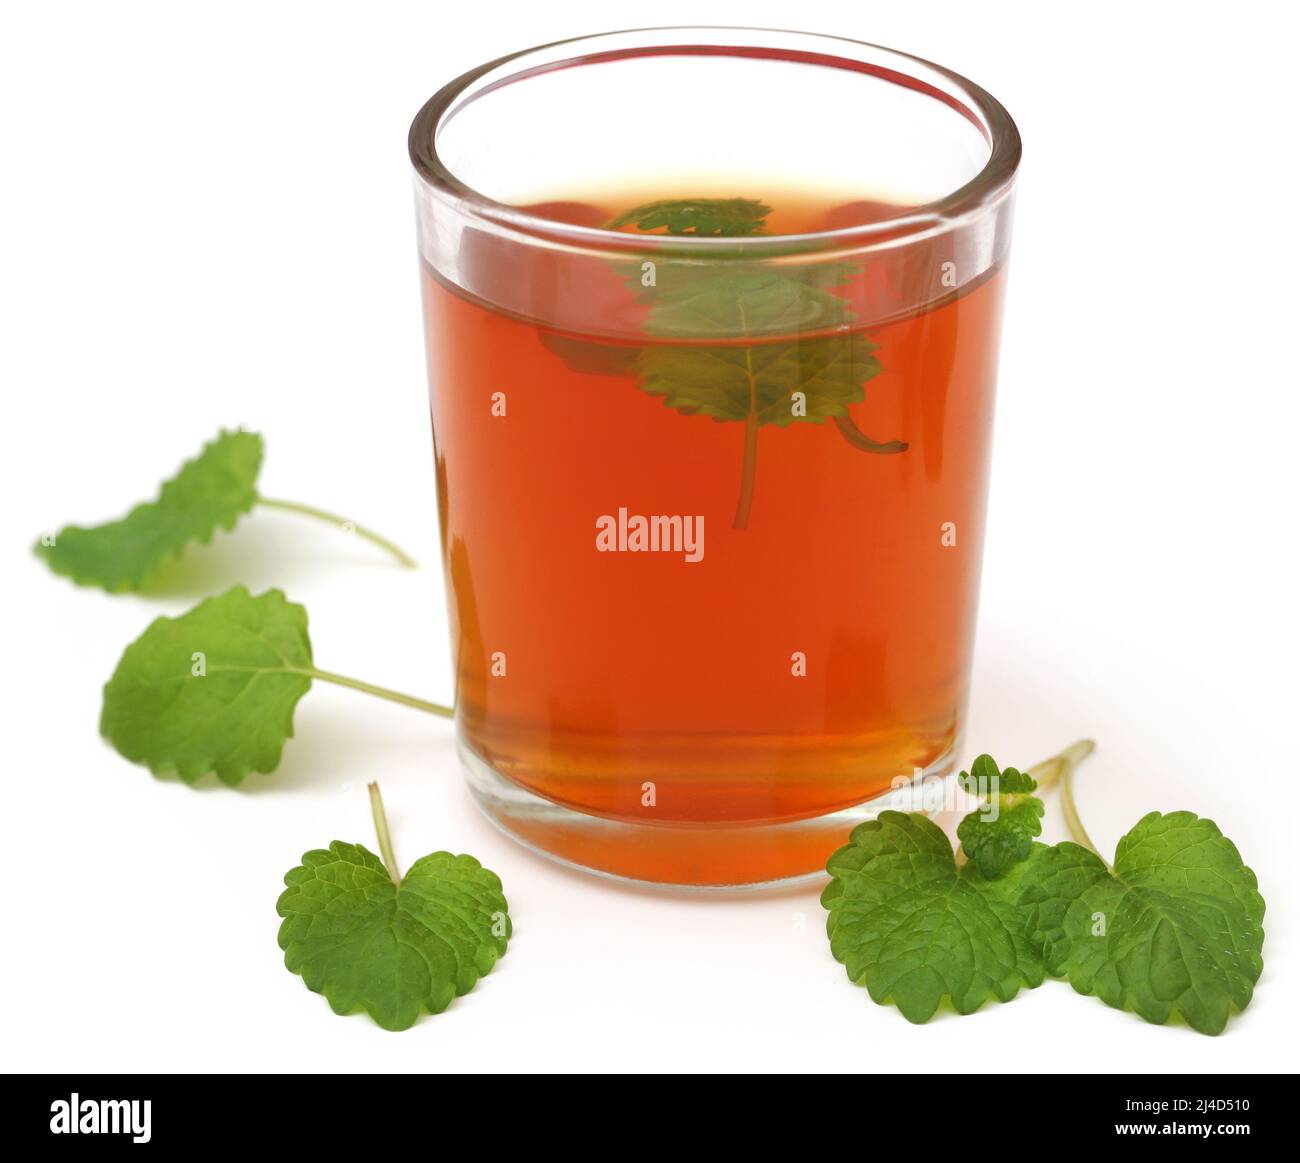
<point>975,103</point>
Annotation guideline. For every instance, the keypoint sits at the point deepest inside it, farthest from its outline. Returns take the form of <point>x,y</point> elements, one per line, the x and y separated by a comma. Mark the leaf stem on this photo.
<point>382,693</point>
<point>381,831</point>
<point>1061,768</point>
<point>1072,821</point>
<point>745,502</point>
<point>747,473</point>
<point>343,523</point>
<point>859,439</point>
<point>1051,770</point>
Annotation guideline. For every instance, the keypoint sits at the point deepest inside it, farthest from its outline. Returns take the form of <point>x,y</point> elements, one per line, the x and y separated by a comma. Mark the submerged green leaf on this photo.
<point>721,217</point>
<point>714,301</point>
<point>735,383</point>
<point>739,341</point>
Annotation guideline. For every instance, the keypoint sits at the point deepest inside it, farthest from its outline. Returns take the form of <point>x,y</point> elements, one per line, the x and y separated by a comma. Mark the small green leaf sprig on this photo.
<point>211,491</point>
<point>1174,927</point>
<point>215,689</point>
<point>358,931</point>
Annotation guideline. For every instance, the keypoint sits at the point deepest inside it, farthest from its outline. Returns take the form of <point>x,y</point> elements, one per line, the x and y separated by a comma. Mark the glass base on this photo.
<point>698,857</point>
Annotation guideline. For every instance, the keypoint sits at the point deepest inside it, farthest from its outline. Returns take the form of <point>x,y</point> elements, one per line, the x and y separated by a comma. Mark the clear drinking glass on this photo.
<point>712,320</point>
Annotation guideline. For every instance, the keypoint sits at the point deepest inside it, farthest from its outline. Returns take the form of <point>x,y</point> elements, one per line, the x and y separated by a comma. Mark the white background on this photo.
<point>207,220</point>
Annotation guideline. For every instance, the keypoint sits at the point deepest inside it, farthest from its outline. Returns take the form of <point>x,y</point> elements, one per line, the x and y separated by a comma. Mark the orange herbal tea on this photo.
<point>711,459</point>
<point>790,633</point>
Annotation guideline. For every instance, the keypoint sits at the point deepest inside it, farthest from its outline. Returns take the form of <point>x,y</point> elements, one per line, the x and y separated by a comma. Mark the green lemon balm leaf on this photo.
<point>795,377</point>
<point>393,946</point>
<point>735,301</point>
<point>213,690</point>
<point>994,844</point>
<point>210,492</point>
<point>914,929</point>
<point>394,950</point>
<point>719,217</point>
<point>984,779</point>
<point>755,343</point>
<point>758,383</point>
<point>1001,832</point>
<point>1176,927</point>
